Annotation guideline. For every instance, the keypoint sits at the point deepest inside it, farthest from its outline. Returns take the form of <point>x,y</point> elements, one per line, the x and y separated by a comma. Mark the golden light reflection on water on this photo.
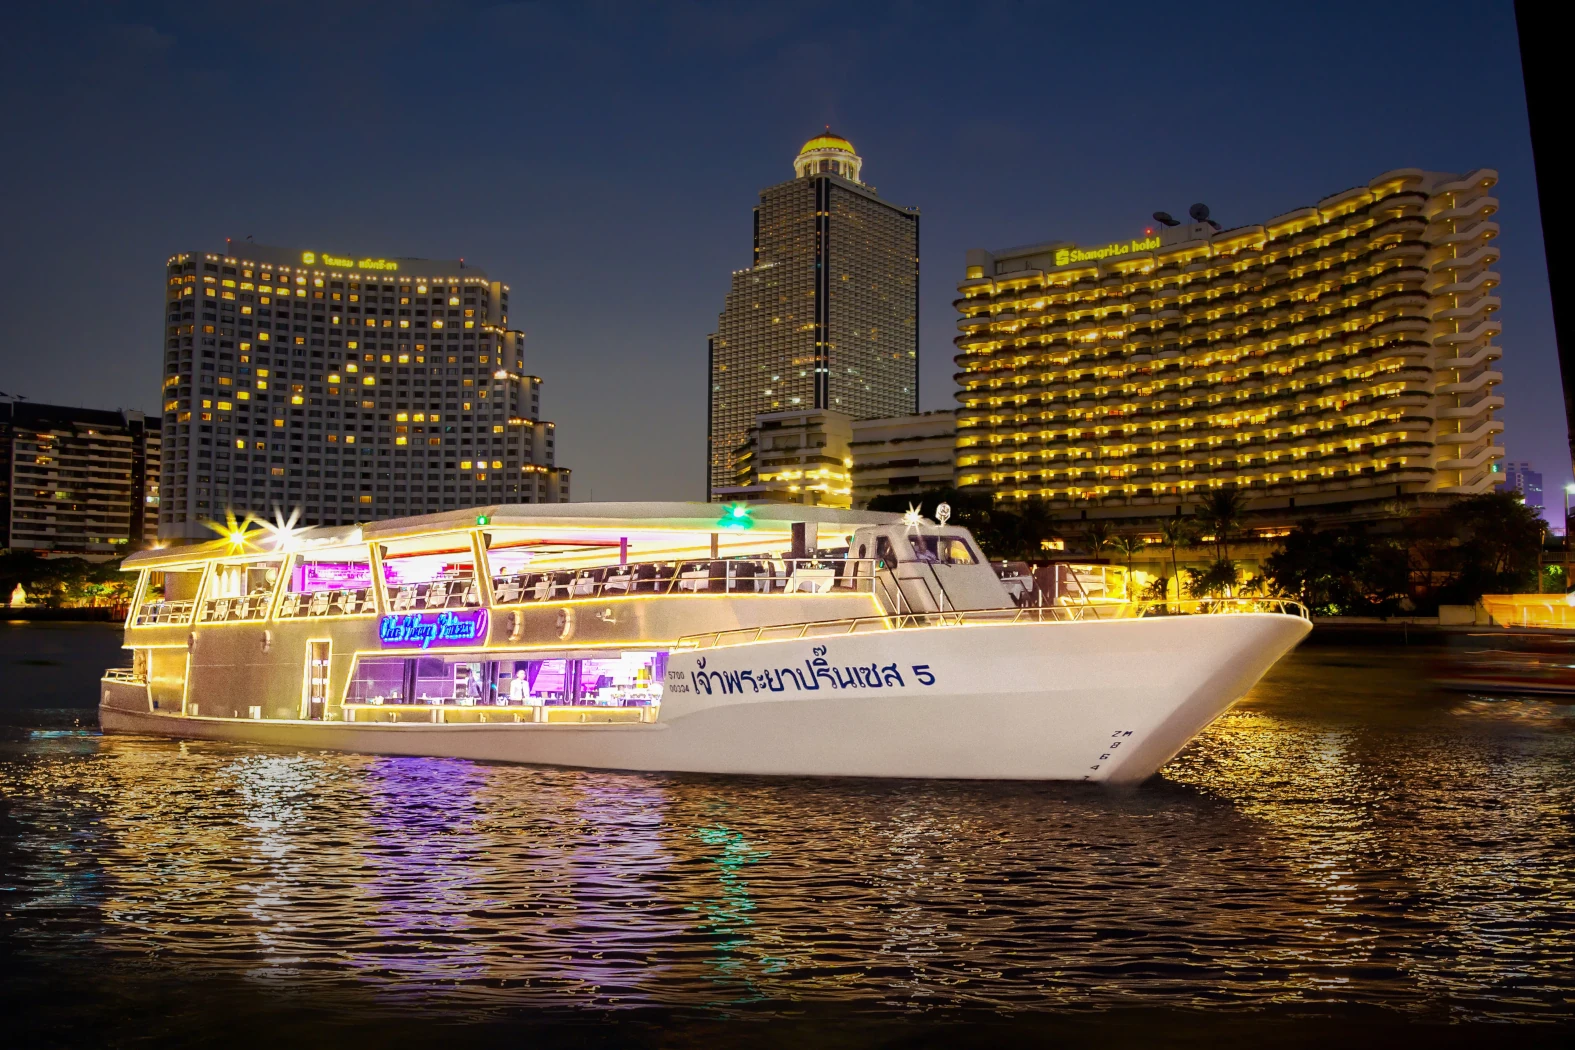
<point>1346,835</point>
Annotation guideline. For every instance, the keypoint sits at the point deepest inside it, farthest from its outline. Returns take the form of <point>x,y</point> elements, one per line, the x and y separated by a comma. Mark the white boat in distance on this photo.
<point>681,637</point>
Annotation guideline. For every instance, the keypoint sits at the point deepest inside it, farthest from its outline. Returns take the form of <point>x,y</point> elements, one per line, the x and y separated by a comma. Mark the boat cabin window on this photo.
<point>431,579</point>
<point>884,554</point>
<point>329,583</point>
<point>941,550</point>
<point>617,680</point>
<point>240,590</point>
<point>169,596</point>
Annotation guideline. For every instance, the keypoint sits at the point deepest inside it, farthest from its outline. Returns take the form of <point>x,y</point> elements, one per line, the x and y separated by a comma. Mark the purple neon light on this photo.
<point>314,576</point>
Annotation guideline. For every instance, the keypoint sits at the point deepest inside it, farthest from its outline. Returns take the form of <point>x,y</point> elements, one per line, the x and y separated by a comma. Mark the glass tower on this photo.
<point>827,316</point>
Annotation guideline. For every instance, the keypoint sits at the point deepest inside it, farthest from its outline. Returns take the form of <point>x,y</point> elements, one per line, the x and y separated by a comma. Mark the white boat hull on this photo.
<point>1107,701</point>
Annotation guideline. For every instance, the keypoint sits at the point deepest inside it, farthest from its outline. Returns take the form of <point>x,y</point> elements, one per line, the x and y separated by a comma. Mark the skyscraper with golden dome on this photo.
<point>827,315</point>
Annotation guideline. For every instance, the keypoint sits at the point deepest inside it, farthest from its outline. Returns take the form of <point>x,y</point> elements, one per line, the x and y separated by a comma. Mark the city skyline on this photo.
<point>608,177</point>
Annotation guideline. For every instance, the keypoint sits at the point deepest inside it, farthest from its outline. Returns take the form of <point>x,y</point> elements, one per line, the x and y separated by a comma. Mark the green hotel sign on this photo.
<point>1063,256</point>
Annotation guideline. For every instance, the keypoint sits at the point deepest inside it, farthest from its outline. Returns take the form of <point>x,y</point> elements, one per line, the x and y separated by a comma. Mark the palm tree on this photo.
<point>1222,512</point>
<point>1127,546</point>
<point>1098,536</point>
<point>1175,532</point>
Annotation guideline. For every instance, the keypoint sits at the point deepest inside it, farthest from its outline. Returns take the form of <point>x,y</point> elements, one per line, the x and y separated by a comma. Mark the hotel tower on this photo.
<point>826,317</point>
<point>347,388</point>
<point>1336,354</point>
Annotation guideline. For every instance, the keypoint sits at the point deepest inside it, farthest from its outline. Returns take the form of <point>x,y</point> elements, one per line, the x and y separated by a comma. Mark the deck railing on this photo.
<point>159,613</point>
<point>124,675</point>
<point>236,609</point>
<point>724,576</point>
<point>343,601</point>
<point>981,617</point>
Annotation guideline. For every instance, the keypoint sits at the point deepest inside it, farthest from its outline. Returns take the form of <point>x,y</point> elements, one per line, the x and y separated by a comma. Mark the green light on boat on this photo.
<point>736,516</point>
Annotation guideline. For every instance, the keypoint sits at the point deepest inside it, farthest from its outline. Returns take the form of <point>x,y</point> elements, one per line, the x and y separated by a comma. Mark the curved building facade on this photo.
<point>1338,353</point>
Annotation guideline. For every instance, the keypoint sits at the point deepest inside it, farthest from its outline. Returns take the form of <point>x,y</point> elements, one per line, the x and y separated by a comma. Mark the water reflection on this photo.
<point>1346,836</point>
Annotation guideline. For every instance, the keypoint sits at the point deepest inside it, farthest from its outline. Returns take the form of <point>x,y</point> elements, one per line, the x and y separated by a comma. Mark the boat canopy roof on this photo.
<point>761,519</point>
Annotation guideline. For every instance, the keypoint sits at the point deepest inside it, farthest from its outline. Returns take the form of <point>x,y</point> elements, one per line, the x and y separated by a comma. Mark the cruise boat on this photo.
<point>683,637</point>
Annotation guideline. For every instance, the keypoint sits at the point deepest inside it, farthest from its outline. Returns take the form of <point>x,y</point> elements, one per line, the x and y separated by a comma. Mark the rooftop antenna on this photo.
<point>1164,219</point>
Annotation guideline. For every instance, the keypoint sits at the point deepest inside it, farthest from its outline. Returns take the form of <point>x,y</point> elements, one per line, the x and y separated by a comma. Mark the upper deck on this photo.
<point>467,563</point>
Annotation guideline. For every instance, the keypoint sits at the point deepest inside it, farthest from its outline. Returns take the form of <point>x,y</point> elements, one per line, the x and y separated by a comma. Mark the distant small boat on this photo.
<point>774,639</point>
<point>1540,665</point>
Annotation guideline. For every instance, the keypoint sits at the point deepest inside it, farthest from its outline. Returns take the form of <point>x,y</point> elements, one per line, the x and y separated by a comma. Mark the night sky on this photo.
<point>602,159</point>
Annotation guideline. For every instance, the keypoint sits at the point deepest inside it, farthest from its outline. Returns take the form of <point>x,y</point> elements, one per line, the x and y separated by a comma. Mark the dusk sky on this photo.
<point>602,160</point>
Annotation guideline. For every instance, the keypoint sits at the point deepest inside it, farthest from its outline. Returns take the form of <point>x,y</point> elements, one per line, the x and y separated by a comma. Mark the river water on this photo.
<point>1346,852</point>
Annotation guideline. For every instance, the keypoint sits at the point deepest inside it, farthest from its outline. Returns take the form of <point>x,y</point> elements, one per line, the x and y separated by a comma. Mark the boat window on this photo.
<point>431,580</point>
<point>378,680</point>
<point>941,550</point>
<point>884,554</point>
<point>240,590</point>
<point>169,597</point>
<point>617,680</point>
<point>329,583</point>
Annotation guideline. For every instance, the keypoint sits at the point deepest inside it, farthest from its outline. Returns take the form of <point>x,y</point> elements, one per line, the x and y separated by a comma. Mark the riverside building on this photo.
<point>348,388</point>
<point>902,455</point>
<point>826,318</point>
<point>77,480</point>
<point>801,456</point>
<point>1340,354</point>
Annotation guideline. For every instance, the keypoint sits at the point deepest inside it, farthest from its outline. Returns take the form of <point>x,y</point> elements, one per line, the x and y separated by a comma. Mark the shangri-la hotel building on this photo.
<point>1327,361</point>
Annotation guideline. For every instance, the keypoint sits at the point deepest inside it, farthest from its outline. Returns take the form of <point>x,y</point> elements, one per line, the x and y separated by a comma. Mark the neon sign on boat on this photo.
<point>433,630</point>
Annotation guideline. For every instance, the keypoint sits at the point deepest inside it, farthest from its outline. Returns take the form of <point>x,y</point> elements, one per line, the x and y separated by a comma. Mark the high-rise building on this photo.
<point>827,317</point>
<point>78,480</point>
<point>346,388</point>
<point>1519,477</point>
<point>1339,354</point>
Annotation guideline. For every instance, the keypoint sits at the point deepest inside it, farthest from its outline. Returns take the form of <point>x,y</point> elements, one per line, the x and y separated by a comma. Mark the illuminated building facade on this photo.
<point>826,318</point>
<point>800,456</point>
<point>78,480</point>
<point>349,388</point>
<point>1336,354</point>
<point>902,454</point>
